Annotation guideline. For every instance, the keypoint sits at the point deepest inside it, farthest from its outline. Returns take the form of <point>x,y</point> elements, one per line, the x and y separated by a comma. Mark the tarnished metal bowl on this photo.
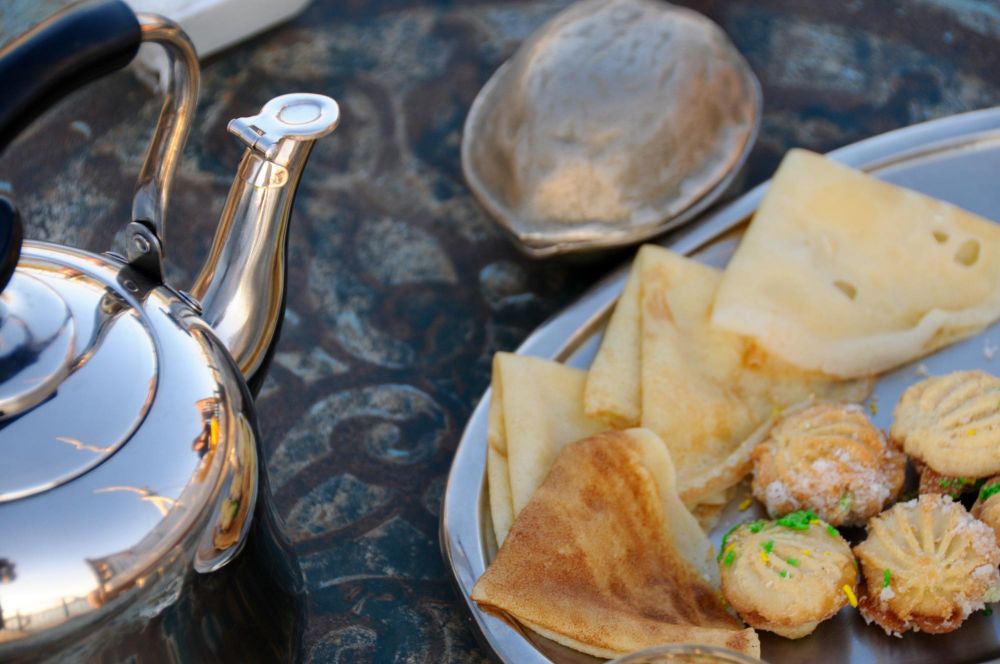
<point>612,123</point>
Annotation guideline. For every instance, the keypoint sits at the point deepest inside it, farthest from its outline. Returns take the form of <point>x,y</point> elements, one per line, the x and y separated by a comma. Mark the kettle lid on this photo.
<point>78,373</point>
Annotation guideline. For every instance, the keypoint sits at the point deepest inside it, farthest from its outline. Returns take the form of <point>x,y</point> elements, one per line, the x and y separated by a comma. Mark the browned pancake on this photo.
<point>592,562</point>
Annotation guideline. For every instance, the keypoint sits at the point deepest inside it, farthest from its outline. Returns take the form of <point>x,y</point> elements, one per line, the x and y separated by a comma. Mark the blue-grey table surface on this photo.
<point>401,287</point>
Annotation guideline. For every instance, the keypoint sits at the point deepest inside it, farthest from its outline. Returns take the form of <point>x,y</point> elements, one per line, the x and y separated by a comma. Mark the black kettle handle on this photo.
<point>75,46</point>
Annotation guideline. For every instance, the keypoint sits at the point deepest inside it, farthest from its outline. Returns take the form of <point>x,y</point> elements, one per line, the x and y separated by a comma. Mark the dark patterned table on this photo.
<point>401,286</point>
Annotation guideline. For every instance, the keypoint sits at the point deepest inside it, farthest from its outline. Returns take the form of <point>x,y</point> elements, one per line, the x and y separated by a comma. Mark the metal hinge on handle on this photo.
<point>144,235</point>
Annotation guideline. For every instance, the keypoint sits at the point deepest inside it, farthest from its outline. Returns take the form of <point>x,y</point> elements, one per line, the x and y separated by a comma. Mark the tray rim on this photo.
<point>503,641</point>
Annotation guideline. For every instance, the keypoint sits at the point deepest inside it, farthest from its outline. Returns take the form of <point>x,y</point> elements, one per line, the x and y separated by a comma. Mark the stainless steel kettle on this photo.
<point>128,447</point>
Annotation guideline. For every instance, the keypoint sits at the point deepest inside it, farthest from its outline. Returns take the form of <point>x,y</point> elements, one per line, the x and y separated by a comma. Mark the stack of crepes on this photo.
<point>839,277</point>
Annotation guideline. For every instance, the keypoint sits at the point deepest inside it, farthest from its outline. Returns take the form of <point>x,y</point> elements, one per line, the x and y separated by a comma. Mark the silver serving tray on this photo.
<point>956,159</point>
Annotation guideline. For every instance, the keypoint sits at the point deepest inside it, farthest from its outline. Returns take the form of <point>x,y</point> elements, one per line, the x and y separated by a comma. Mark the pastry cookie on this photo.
<point>927,565</point>
<point>828,458</point>
<point>951,423</point>
<point>787,576</point>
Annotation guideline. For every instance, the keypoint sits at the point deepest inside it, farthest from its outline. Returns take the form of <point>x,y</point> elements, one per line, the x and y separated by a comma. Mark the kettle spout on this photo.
<point>241,288</point>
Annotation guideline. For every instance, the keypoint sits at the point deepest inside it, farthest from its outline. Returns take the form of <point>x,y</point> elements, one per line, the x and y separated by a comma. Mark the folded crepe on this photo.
<point>606,559</point>
<point>612,390</point>
<point>844,273</point>
<point>708,393</point>
<point>536,409</point>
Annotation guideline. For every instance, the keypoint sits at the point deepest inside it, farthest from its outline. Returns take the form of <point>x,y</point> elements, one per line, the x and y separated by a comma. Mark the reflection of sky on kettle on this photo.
<point>138,511</point>
<point>76,582</point>
<point>96,407</point>
<point>30,591</point>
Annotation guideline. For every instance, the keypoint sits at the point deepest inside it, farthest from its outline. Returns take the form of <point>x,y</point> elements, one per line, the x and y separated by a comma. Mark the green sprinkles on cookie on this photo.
<point>725,541</point>
<point>886,578</point>
<point>989,490</point>
<point>956,486</point>
<point>800,520</point>
<point>754,526</point>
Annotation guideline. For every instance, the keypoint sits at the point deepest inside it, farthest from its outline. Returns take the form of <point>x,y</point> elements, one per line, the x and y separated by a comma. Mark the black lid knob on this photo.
<point>11,235</point>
